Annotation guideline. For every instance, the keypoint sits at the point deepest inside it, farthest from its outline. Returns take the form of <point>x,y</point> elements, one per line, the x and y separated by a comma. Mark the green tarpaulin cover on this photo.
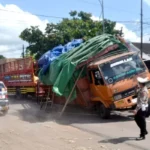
<point>62,71</point>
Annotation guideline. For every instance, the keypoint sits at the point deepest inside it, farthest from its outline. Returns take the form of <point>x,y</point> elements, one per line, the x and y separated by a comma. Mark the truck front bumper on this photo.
<point>128,102</point>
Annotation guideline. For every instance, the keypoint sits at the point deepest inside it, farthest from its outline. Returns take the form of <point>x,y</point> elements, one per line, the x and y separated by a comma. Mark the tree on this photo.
<point>84,16</point>
<point>73,13</point>
<point>80,25</point>
<point>36,40</point>
<point>2,57</point>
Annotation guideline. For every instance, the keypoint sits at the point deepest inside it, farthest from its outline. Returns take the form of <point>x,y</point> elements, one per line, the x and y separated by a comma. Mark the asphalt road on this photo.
<point>121,128</point>
<point>119,131</point>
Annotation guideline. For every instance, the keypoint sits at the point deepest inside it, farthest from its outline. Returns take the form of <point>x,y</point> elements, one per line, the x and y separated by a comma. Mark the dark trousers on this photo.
<point>141,121</point>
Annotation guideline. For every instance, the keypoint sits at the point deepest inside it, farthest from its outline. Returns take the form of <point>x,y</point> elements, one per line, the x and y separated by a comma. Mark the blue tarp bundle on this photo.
<point>51,55</point>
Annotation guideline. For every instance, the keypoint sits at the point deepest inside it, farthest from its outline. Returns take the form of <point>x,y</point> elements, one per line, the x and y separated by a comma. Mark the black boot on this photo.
<point>142,137</point>
<point>146,132</point>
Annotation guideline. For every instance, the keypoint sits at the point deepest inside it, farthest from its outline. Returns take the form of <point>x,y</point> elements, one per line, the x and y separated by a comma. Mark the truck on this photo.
<point>18,74</point>
<point>113,82</point>
<point>110,78</point>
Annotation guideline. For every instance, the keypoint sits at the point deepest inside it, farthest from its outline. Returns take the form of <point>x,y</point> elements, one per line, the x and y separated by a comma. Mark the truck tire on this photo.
<point>104,112</point>
<point>18,94</point>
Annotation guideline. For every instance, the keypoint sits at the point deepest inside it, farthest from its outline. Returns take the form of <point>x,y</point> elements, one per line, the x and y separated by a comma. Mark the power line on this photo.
<point>14,21</point>
<point>136,30</point>
<point>10,50</point>
<point>91,3</point>
<point>40,15</point>
<point>58,17</point>
<point>130,21</point>
<point>146,34</point>
<point>115,9</point>
<point>121,21</point>
<point>146,18</point>
<point>23,21</point>
<point>146,23</point>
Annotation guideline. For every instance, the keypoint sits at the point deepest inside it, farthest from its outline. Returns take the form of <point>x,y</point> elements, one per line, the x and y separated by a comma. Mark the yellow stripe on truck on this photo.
<point>31,89</point>
<point>22,90</point>
<point>28,89</point>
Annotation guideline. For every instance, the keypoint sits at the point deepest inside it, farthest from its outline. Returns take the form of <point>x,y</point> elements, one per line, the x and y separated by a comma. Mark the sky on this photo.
<point>16,15</point>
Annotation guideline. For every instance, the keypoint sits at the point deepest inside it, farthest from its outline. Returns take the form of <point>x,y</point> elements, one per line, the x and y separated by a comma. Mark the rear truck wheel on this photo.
<point>104,112</point>
<point>18,94</point>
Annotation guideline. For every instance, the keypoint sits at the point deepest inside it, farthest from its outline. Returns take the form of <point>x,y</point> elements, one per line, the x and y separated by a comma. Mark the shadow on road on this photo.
<point>30,111</point>
<point>89,118</point>
<point>118,140</point>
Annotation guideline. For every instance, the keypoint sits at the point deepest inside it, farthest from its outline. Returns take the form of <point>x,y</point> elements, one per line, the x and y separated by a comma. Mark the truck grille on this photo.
<point>128,92</point>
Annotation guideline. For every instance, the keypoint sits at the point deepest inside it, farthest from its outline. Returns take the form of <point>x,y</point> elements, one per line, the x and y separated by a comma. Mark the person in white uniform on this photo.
<point>142,106</point>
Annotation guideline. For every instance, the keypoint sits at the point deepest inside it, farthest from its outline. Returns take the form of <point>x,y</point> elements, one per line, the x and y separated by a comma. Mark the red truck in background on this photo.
<point>19,76</point>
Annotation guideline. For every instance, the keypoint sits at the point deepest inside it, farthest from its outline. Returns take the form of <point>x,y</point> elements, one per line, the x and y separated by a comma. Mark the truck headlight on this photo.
<point>118,97</point>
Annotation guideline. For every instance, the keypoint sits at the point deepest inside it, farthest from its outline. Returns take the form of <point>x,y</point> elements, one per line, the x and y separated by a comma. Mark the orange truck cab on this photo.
<point>113,81</point>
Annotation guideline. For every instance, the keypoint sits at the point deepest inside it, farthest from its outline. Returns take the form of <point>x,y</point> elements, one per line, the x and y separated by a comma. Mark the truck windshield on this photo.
<point>122,68</point>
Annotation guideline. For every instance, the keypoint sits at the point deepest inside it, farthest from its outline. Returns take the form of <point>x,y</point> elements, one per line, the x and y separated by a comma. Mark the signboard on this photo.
<point>18,78</point>
<point>121,62</point>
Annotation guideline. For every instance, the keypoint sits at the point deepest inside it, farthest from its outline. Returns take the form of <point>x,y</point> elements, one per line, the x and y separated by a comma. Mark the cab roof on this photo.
<point>104,60</point>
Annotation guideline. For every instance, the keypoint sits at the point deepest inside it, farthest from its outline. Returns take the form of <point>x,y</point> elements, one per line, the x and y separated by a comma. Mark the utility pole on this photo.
<point>23,51</point>
<point>141,28</point>
<point>103,17</point>
<point>102,7</point>
<point>121,33</point>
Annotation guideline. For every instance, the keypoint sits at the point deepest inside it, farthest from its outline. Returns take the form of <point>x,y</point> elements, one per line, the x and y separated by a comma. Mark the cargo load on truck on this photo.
<point>51,55</point>
<point>65,69</point>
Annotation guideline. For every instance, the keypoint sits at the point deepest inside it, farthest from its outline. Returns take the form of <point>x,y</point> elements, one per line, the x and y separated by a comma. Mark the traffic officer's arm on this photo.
<point>143,99</point>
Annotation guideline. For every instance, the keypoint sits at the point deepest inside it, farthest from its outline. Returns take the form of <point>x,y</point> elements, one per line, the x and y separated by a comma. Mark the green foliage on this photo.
<point>73,13</point>
<point>2,57</point>
<point>80,25</point>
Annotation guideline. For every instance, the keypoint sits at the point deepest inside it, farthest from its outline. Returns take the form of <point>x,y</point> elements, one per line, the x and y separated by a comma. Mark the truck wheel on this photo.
<point>104,112</point>
<point>18,94</point>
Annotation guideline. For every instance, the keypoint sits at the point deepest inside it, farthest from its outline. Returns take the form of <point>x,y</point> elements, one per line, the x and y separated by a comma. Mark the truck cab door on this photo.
<point>99,90</point>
